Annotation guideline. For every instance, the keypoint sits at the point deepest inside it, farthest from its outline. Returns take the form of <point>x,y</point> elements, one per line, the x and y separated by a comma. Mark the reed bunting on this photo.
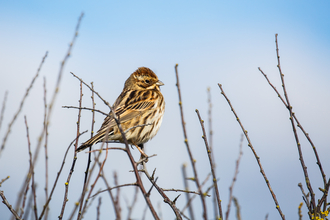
<point>140,108</point>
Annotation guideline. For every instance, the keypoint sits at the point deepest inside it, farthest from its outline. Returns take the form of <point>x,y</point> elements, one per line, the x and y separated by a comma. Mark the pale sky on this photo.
<point>213,42</point>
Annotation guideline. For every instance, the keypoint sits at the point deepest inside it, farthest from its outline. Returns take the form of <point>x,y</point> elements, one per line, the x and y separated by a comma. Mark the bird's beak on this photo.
<point>159,83</point>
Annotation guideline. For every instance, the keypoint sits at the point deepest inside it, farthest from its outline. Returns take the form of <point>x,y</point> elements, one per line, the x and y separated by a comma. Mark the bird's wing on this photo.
<point>130,104</point>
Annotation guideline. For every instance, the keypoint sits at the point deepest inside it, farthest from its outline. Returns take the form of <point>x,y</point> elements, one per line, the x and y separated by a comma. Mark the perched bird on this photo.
<point>140,108</point>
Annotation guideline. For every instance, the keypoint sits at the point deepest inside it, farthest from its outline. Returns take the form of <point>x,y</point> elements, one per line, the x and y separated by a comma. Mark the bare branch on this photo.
<point>21,105</point>
<point>254,153</point>
<point>4,201</point>
<point>235,177</point>
<point>192,160</point>
<point>32,170</point>
<point>3,108</point>
<point>57,177</point>
<point>208,150</point>
<point>301,158</point>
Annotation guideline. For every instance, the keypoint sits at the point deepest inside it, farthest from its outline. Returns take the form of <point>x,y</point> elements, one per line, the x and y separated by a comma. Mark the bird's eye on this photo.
<point>147,81</point>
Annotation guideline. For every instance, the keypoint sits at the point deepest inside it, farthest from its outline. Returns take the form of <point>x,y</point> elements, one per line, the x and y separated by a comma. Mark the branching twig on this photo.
<point>74,159</point>
<point>302,129</point>
<point>4,201</point>
<point>21,105</point>
<point>295,131</point>
<point>192,160</point>
<point>255,154</point>
<point>50,107</point>
<point>161,192</point>
<point>194,196</point>
<point>57,177</point>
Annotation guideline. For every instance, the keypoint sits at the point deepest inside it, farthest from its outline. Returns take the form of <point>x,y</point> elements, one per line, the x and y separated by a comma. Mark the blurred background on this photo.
<point>213,42</point>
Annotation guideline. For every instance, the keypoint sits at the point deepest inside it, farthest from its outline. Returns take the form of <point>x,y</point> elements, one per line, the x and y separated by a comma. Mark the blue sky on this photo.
<point>213,42</point>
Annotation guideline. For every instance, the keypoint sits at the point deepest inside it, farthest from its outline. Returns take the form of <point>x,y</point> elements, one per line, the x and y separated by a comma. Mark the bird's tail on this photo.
<point>97,138</point>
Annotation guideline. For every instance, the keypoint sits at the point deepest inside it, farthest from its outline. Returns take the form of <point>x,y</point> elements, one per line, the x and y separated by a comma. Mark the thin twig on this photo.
<point>74,159</point>
<point>185,191</point>
<point>215,205</point>
<point>50,106</point>
<point>85,108</point>
<point>28,208</point>
<point>208,150</point>
<point>161,192</point>
<point>238,208</point>
<point>21,104</point>
<point>301,158</point>
<point>3,108</point>
<point>299,211</point>
<point>96,179</point>
<point>194,196</point>
<point>130,207</point>
<point>254,153</point>
<point>186,186</point>
<point>84,190</point>
<point>306,135</point>
<point>24,199</point>
<point>117,202</point>
<point>98,209</point>
<point>192,160</point>
<point>235,176</point>
<point>57,177</point>
<point>111,188</point>
<point>3,180</point>
<point>46,146</point>
<point>32,170</point>
<point>4,201</point>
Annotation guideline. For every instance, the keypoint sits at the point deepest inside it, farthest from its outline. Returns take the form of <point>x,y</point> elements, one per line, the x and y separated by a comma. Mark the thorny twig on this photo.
<point>161,192</point>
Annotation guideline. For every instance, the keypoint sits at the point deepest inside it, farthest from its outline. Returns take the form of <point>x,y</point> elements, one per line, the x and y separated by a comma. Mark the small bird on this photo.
<point>140,108</point>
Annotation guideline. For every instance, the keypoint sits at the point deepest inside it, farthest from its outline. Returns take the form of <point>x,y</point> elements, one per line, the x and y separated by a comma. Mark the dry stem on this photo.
<point>254,153</point>
<point>208,150</point>
<point>192,160</point>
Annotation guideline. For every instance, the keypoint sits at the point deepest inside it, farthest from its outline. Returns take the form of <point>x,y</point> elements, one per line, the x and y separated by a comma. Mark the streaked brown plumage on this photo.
<point>140,103</point>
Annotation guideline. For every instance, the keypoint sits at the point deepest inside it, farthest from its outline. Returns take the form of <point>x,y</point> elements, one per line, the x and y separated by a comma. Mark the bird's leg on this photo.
<point>144,157</point>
